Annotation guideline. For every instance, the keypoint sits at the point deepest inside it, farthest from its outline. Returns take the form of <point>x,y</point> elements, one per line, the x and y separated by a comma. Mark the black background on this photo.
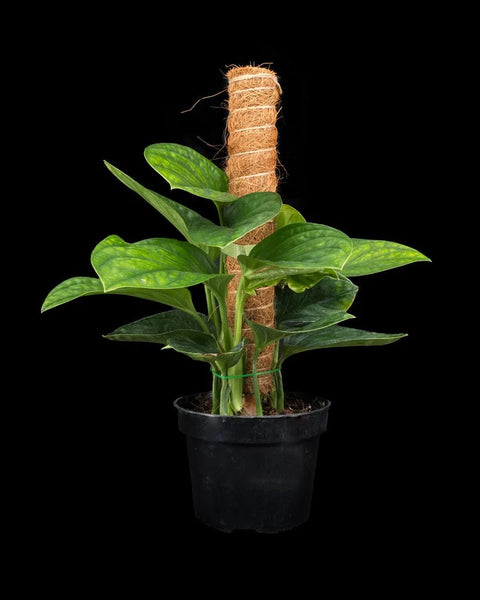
<point>362,148</point>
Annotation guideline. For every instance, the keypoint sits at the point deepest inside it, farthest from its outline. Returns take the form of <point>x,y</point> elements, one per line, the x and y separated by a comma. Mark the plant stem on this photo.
<point>222,315</point>
<point>256,389</point>
<point>237,384</point>
<point>227,334</point>
<point>216,389</point>
<point>212,310</point>
<point>274,366</point>
<point>280,393</point>
<point>239,305</point>
<point>220,208</point>
<point>224,395</point>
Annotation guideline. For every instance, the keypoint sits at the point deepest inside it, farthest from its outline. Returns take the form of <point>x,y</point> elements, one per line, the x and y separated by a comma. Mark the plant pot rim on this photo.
<point>179,407</point>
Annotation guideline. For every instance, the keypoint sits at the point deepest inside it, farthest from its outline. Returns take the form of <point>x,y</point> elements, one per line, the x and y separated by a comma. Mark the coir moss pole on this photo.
<point>253,97</point>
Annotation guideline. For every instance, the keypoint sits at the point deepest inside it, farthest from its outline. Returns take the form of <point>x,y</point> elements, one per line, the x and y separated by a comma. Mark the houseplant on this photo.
<point>247,471</point>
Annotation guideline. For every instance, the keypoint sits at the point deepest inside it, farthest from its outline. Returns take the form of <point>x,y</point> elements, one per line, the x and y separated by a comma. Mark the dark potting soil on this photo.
<point>294,404</point>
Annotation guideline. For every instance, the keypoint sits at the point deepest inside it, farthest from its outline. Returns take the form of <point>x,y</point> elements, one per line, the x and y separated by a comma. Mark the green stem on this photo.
<point>280,393</point>
<point>237,384</point>
<point>256,388</point>
<point>273,398</point>
<point>224,395</point>
<point>239,305</point>
<point>225,329</point>
<point>220,208</point>
<point>216,389</point>
<point>212,310</point>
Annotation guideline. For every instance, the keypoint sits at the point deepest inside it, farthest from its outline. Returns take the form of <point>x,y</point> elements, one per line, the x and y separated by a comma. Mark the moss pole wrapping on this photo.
<point>253,96</point>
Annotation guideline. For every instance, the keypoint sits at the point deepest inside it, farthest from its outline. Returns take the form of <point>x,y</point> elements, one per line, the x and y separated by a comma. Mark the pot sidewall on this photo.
<point>252,472</point>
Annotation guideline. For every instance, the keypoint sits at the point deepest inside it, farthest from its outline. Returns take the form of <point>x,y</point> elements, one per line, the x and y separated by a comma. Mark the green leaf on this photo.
<point>287,216</point>
<point>72,288</point>
<point>76,287</point>
<point>179,331</point>
<point>326,318</point>
<point>373,256</point>
<point>251,211</point>
<point>263,336</point>
<point>335,337</point>
<point>157,328</point>
<point>203,347</point>
<point>236,250</point>
<point>157,263</point>
<point>179,216</point>
<point>305,281</point>
<point>304,246</point>
<point>246,214</point>
<point>296,249</point>
<point>231,358</point>
<point>292,309</point>
<point>178,298</point>
<point>185,169</point>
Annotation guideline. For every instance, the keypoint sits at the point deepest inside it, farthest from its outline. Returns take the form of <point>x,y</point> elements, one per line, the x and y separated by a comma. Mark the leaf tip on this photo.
<point>398,336</point>
<point>420,257</point>
<point>47,304</point>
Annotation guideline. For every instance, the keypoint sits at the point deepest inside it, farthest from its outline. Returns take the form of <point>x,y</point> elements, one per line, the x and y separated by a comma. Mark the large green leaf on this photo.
<point>330,294</point>
<point>157,328</point>
<point>177,298</point>
<point>230,358</point>
<point>326,317</point>
<point>287,216</point>
<point>236,250</point>
<point>373,256</point>
<point>157,263</point>
<point>72,288</point>
<point>335,337</point>
<point>263,336</point>
<point>247,213</point>
<point>179,331</point>
<point>77,287</point>
<point>179,216</point>
<point>295,250</point>
<point>304,246</point>
<point>187,170</point>
<point>304,281</point>
<point>203,347</point>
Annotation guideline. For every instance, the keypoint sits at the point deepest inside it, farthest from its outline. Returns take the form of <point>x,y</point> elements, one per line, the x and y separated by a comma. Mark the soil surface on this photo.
<point>294,404</point>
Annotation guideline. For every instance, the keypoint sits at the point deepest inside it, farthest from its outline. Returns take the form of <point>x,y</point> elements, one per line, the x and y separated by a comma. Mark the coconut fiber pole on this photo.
<point>253,96</point>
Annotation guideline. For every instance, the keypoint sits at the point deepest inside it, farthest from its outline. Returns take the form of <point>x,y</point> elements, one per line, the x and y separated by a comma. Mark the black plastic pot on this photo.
<point>252,472</point>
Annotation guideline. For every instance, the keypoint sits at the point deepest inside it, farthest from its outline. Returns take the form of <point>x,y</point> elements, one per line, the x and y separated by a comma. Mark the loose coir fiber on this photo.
<point>254,94</point>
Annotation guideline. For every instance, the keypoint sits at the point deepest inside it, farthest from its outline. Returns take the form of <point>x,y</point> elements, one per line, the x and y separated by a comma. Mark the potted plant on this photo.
<point>252,471</point>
